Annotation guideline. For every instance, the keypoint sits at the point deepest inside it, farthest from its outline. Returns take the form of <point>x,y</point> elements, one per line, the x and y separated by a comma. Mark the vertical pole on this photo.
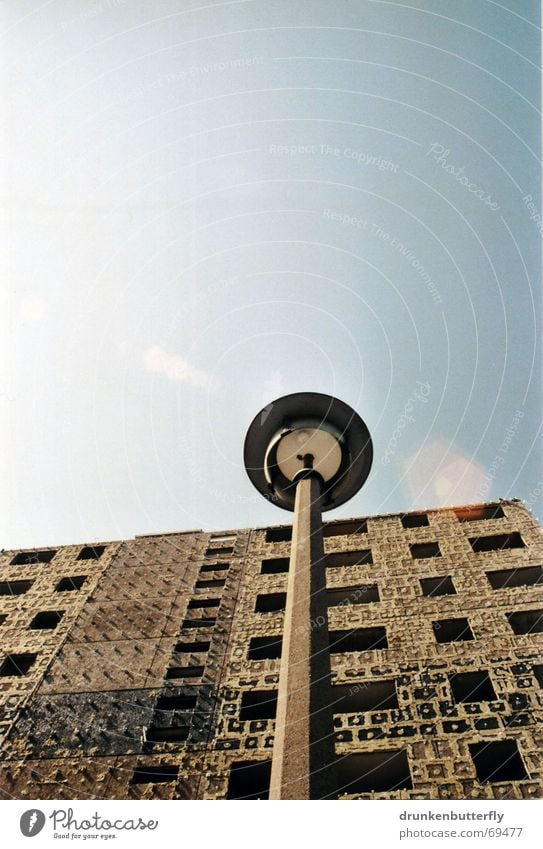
<point>303,751</point>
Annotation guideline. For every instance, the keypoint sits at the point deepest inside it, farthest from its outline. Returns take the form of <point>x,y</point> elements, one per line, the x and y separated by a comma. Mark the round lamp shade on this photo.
<point>307,429</point>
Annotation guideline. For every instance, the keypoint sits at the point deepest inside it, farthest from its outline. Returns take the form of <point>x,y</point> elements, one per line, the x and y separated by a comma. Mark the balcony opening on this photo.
<point>195,647</point>
<point>497,542</point>
<point>175,672</point>
<point>66,585</point>
<point>422,550</point>
<point>17,665</point>
<point>91,552</point>
<point>497,760</point>
<point>265,648</point>
<point>480,514</point>
<point>442,585</point>
<point>214,584</point>
<point>167,734</point>
<point>279,535</point>
<point>14,587</point>
<point>538,673</point>
<point>198,603</point>
<point>340,529</point>
<point>414,520</point>
<point>362,594</point>
<point>249,780</point>
<point>274,566</point>
<point>377,772</point>
<point>258,704</point>
<point>358,639</point>
<point>525,577</point>
<point>46,620</point>
<point>526,621</point>
<point>472,687</point>
<point>214,567</point>
<point>270,602</point>
<point>363,696</point>
<point>154,774</point>
<point>176,702</point>
<point>349,558</point>
<point>28,558</point>
<point>198,623</point>
<point>452,630</point>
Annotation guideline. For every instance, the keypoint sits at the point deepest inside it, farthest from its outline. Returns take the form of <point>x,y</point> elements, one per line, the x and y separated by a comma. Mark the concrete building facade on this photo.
<point>148,668</point>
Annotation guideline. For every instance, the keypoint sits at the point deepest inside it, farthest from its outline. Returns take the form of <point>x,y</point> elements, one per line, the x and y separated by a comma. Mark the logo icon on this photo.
<point>32,822</point>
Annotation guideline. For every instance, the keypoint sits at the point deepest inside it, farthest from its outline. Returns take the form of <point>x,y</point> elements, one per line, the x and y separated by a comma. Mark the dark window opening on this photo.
<point>176,703</point>
<point>497,760</point>
<point>452,630</point>
<point>340,529</point>
<point>526,621</point>
<point>274,566</point>
<point>167,734</point>
<point>265,648</point>
<point>279,535</point>
<point>414,520</point>
<point>479,514</point>
<point>349,558</point>
<point>364,695</point>
<point>425,549</point>
<point>219,552</point>
<point>184,672</point>
<point>442,585</point>
<point>3,617</point>
<point>14,587</point>
<point>68,584</point>
<point>154,774</point>
<point>270,602</point>
<point>526,577</point>
<point>472,687</point>
<point>249,780</point>
<point>17,664</point>
<point>538,673</point>
<point>27,558</point>
<point>359,639</point>
<point>91,552</point>
<point>379,772</point>
<point>198,623</point>
<point>188,648</point>
<point>497,542</point>
<point>197,603</point>
<point>214,567</point>
<point>364,594</point>
<point>46,620</point>
<point>208,585</point>
<point>258,704</point>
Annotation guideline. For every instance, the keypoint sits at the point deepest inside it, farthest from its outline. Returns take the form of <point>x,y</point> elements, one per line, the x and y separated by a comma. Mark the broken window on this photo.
<point>154,774</point>
<point>17,664</point>
<point>472,687</point>
<point>278,534</point>
<point>414,520</point>
<point>479,514</point>
<point>14,587</point>
<point>265,648</point>
<point>339,529</point>
<point>91,552</point>
<point>68,584</point>
<point>270,602</point>
<point>364,594</point>
<point>425,549</point>
<point>497,542</point>
<point>378,772</point>
<point>27,558</point>
<point>249,780</point>
<point>497,760</point>
<point>358,639</point>
<point>274,566</point>
<point>258,704</point>
<point>349,558</point>
<point>46,620</point>
<point>184,672</point>
<point>452,630</point>
<point>525,577</point>
<point>363,696</point>
<point>526,621</point>
<point>442,585</point>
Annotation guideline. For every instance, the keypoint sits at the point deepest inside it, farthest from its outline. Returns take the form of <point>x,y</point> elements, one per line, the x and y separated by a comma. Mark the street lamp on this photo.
<point>306,453</point>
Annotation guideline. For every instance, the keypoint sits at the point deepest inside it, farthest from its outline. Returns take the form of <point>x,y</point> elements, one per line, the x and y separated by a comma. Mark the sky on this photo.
<point>207,206</point>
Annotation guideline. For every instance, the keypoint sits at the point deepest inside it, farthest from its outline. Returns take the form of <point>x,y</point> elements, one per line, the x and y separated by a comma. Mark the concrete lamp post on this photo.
<point>306,453</point>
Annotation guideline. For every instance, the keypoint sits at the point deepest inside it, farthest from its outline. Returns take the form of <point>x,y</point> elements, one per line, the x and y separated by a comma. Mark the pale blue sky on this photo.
<point>207,206</point>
